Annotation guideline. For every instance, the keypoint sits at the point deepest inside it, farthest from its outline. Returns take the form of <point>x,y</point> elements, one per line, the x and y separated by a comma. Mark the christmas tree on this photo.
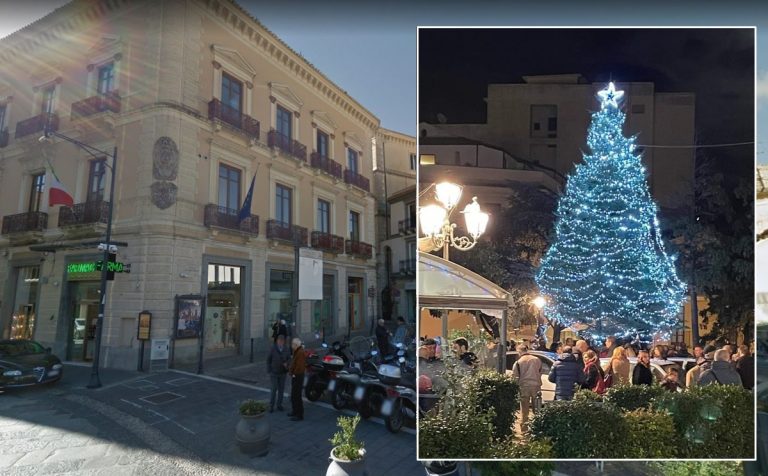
<point>606,272</point>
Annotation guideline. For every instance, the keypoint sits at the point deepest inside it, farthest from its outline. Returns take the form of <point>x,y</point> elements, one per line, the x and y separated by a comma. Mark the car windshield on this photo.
<point>10,349</point>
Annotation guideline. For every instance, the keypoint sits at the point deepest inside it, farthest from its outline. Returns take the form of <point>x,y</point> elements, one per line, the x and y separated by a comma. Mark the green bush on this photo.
<point>522,468</point>
<point>346,447</point>
<point>455,435</point>
<point>651,435</point>
<point>512,448</point>
<point>631,397</point>
<point>582,429</point>
<point>498,392</point>
<point>697,468</point>
<point>584,394</point>
<point>252,407</point>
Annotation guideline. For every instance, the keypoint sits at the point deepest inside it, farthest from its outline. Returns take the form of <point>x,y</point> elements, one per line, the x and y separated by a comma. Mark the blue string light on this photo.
<point>607,271</point>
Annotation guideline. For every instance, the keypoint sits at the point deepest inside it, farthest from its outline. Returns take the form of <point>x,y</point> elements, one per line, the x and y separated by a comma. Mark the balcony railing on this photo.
<point>407,226</point>
<point>233,117</point>
<point>359,249</point>
<point>277,230</point>
<point>224,217</point>
<point>37,124</point>
<point>22,222</point>
<point>286,144</point>
<point>407,266</point>
<point>327,242</point>
<point>4,136</point>
<point>329,166</point>
<point>84,213</point>
<point>357,180</point>
<point>103,102</point>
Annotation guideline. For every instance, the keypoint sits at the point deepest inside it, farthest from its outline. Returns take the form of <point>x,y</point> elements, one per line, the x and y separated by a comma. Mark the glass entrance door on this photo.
<point>355,303</point>
<point>25,299</point>
<point>222,312</point>
<point>83,313</point>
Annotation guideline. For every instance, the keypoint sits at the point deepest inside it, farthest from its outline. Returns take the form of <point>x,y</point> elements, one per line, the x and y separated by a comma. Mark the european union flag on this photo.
<point>245,211</point>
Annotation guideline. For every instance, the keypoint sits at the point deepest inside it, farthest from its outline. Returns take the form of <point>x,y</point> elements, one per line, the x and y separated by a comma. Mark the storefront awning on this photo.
<point>446,285</point>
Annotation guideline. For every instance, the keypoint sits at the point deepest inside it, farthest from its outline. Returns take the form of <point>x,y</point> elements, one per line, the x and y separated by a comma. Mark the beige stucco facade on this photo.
<point>169,59</point>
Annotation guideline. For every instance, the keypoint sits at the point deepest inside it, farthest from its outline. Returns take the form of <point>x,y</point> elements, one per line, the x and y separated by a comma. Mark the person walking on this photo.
<point>642,374</point>
<point>401,333</point>
<point>618,367</point>
<point>721,372</point>
<point>527,371</point>
<point>745,366</point>
<point>279,329</point>
<point>565,374</point>
<point>594,378</point>
<point>382,338</point>
<point>277,367</point>
<point>296,369</point>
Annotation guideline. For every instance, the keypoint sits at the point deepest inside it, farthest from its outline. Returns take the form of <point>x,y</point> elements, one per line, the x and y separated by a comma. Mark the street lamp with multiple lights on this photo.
<point>436,225</point>
<point>106,248</point>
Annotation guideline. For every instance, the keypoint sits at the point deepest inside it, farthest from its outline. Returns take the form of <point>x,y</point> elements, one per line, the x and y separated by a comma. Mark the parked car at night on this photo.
<point>25,362</point>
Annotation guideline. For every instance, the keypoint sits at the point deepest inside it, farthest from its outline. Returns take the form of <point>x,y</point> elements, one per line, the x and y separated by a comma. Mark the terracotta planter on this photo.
<point>340,467</point>
<point>252,434</point>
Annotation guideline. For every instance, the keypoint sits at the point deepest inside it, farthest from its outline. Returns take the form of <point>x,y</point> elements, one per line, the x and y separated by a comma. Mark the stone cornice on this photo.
<point>394,136</point>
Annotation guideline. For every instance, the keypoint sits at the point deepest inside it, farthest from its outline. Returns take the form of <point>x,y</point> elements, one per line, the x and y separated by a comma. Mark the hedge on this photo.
<point>651,435</point>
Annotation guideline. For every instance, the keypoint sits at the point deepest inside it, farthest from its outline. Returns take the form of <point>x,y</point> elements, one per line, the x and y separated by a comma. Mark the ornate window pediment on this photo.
<point>285,96</point>
<point>324,121</point>
<point>233,62</point>
<point>353,141</point>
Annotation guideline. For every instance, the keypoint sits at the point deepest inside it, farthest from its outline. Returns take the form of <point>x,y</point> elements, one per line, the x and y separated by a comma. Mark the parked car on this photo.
<point>26,362</point>
<point>659,368</point>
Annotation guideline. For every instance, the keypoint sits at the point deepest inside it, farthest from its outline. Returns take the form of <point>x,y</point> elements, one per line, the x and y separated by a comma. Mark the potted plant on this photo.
<point>348,455</point>
<point>252,431</point>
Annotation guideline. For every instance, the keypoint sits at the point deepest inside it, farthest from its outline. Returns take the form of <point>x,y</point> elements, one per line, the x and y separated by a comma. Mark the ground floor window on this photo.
<point>83,312</point>
<point>280,301</point>
<point>410,305</point>
<point>24,302</point>
<point>323,311</point>
<point>222,314</point>
<point>355,303</point>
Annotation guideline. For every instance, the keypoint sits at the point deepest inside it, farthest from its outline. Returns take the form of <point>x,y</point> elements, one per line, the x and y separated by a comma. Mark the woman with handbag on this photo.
<point>593,373</point>
<point>617,370</point>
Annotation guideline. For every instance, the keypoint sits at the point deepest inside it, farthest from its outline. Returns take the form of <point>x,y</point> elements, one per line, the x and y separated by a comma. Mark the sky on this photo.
<point>369,48</point>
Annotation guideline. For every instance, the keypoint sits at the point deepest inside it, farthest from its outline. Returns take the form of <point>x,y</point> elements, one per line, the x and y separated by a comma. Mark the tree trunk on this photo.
<point>694,316</point>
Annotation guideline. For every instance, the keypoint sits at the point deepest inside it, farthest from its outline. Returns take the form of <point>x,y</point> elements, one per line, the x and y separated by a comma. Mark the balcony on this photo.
<point>407,267</point>
<point>84,220</point>
<point>289,146</point>
<point>407,226</point>
<point>223,217</point>
<point>327,242</point>
<point>279,231</point>
<point>95,104</point>
<point>4,137</point>
<point>357,180</point>
<point>233,117</point>
<point>323,163</point>
<point>37,124</point>
<point>359,249</point>
<point>25,228</point>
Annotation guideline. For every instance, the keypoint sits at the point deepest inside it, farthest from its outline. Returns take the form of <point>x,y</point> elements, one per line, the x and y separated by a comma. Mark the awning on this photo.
<point>446,285</point>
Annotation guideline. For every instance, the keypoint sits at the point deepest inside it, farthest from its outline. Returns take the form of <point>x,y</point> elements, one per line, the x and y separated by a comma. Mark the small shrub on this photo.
<point>631,397</point>
<point>498,392</point>
<point>651,435</point>
<point>522,468</point>
<point>584,394</point>
<point>346,447</point>
<point>511,448</point>
<point>581,429</point>
<point>455,435</point>
<point>252,407</point>
<point>697,468</point>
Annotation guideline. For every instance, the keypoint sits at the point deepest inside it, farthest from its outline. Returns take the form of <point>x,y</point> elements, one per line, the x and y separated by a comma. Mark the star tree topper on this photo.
<point>609,96</point>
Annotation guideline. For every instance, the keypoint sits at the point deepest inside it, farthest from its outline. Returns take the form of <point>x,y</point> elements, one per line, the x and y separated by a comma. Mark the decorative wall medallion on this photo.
<point>163,194</point>
<point>165,159</point>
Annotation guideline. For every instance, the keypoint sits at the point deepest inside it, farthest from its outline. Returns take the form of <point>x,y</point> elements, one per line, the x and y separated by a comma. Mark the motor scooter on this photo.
<point>321,369</point>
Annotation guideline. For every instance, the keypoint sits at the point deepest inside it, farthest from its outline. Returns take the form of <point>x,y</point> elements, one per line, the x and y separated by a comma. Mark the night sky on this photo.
<point>456,65</point>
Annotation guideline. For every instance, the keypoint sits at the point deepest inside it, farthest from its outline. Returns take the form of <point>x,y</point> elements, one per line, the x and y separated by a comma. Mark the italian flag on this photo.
<point>57,194</point>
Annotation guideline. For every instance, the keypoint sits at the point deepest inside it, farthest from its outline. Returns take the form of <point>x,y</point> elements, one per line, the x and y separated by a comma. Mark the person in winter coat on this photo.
<point>702,363</point>
<point>566,373</point>
<point>594,379</point>
<point>296,368</point>
<point>721,372</point>
<point>670,382</point>
<point>277,367</point>
<point>642,374</point>
<point>382,338</point>
<point>527,371</point>
<point>618,367</point>
<point>745,366</point>
<point>279,329</point>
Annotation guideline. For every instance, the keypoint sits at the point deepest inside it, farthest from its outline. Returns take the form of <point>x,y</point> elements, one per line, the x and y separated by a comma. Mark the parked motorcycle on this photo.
<point>348,387</point>
<point>321,369</point>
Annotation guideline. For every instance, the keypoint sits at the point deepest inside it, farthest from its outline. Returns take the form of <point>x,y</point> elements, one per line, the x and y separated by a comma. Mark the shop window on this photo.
<point>222,312</point>
<point>25,301</point>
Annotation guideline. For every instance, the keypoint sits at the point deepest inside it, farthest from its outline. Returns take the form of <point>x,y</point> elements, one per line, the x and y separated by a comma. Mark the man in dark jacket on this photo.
<point>297,368</point>
<point>642,375</point>
<point>461,349</point>
<point>279,329</point>
<point>745,366</point>
<point>721,372</point>
<point>277,367</point>
<point>566,373</point>
<point>382,338</point>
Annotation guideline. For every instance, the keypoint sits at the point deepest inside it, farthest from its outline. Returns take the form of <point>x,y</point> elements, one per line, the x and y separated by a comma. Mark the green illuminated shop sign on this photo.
<point>92,269</point>
<point>78,268</point>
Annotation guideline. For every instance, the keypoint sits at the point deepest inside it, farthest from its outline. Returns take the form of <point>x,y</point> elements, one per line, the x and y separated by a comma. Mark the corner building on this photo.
<point>198,98</point>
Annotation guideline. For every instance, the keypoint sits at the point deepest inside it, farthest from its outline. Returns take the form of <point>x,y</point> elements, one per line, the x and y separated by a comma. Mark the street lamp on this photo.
<point>106,247</point>
<point>539,302</point>
<point>436,225</point>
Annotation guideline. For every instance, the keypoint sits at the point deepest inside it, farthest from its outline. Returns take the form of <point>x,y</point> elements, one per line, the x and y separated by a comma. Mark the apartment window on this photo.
<point>36,192</point>
<point>323,216</point>
<point>46,106</point>
<point>410,213</point>
<point>427,159</point>
<point>3,109</point>
<point>229,187</point>
<point>231,92</point>
<point>96,174</point>
<point>284,121</point>
<point>283,202</point>
<point>543,121</point>
<point>322,143</point>
<point>106,79</point>
<point>354,226</point>
<point>352,159</point>
<point>413,161</point>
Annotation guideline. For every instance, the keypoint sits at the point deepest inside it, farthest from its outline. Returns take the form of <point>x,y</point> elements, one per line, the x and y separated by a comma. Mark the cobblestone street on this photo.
<point>123,428</point>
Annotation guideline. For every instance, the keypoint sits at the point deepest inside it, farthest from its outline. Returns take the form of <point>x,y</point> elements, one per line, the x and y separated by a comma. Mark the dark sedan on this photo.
<point>26,362</point>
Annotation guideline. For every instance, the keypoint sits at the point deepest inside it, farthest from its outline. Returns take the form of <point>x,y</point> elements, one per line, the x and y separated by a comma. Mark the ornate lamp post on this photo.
<point>436,225</point>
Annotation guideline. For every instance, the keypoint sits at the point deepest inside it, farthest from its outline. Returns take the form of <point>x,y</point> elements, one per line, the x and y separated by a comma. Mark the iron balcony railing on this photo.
<point>37,124</point>
<point>294,234</point>
<point>233,117</point>
<point>328,242</point>
<point>21,222</point>
<point>329,166</point>
<point>359,249</point>
<point>291,147</point>
<point>407,226</point>
<point>84,213</point>
<point>103,102</point>
<point>357,180</point>
<point>224,217</point>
